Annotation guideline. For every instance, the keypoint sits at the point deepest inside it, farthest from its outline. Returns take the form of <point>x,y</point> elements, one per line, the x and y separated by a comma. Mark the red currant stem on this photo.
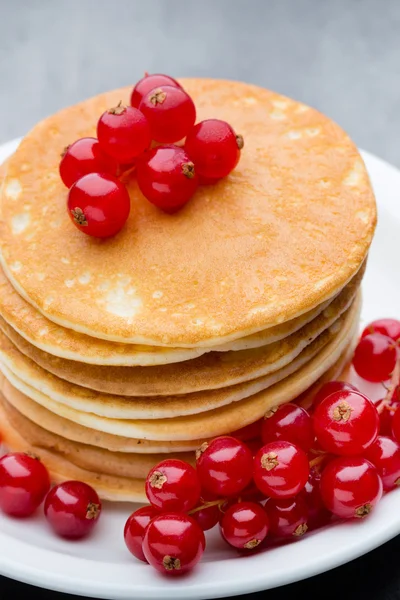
<point>394,382</point>
<point>219,502</point>
<point>318,460</point>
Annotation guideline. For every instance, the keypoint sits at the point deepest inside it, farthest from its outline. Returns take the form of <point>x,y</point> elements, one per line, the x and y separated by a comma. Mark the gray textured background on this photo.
<point>342,56</point>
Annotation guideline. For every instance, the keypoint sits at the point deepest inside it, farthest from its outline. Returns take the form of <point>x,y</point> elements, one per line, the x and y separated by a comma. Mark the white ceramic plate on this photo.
<point>102,567</point>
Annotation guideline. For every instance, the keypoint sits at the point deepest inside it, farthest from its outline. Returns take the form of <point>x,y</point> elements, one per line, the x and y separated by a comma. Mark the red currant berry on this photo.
<point>72,509</point>
<point>135,528</point>
<point>375,357</point>
<point>290,423</point>
<point>224,466</point>
<point>85,156</point>
<point>98,205</point>
<point>389,327</point>
<point>346,423</point>
<point>214,148</point>
<point>318,514</point>
<point>166,177</point>
<point>147,84</point>
<point>173,543</point>
<point>24,483</point>
<point>249,432</point>
<point>173,486</point>
<point>386,412</point>
<point>329,387</point>
<point>170,112</point>
<point>281,469</point>
<point>124,133</point>
<point>396,425</point>
<point>207,517</point>
<point>244,525</point>
<point>288,517</point>
<point>385,455</point>
<point>350,487</point>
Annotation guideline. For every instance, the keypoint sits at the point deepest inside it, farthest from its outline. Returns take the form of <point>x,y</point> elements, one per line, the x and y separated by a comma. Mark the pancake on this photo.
<point>210,371</point>
<point>221,420</point>
<point>282,234</point>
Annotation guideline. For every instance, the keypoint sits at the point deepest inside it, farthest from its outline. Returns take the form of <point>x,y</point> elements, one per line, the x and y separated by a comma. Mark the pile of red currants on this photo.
<point>306,469</point>
<point>144,137</point>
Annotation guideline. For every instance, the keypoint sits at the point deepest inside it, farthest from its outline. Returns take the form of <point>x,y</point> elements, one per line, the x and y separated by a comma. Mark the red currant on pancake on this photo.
<point>280,469</point>
<point>346,422</point>
<point>72,509</point>
<point>24,483</point>
<point>375,357</point>
<point>288,422</point>
<point>389,327</point>
<point>329,387</point>
<point>288,517</point>
<point>350,487</point>
<point>98,205</point>
<point>224,466</point>
<point>124,133</point>
<point>385,455</point>
<point>244,525</point>
<point>135,528</point>
<point>170,112</point>
<point>214,148</point>
<point>173,485</point>
<point>167,178</point>
<point>149,83</point>
<point>85,156</point>
<point>173,543</point>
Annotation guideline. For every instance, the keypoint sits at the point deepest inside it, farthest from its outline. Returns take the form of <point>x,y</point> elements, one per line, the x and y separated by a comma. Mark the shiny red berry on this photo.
<point>85,156</point>
<point>350,487</point>
<point>375,357</point>
<point>173,486</point>
<point>207,517</point>
<point>167,177</point>
<point>224,466</point>
<point>318,514</point>
<point>149,83</point>
<point>280,469</point>
<point>72,509</point>
<point>389,327</point>
<point>173,543</point>
<point>124,133</point>
<point>170,112</point>
<point>98,205</point>
<point>328,388</point>
<point>249,432</point>
<point>387,410</point>
<point>291,423</point>
<point>385,455</point>
<point>288,517</point>
<point>396,425</point>
<point>214,148</point>
<point>346,423</point>
<point>135,528</point>
<point>24,483</point>
<point>244,525</point>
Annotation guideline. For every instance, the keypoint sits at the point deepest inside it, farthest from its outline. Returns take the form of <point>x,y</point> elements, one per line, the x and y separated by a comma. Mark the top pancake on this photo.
<point>283,233</point>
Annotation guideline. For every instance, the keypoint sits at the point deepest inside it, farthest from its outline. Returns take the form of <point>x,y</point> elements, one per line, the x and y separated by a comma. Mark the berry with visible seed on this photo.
<point>224,466</point>
<point>280,469</point>
<point>214,147</point>
<point>72,509</point>
<point>350,487</point>
<point>244,525</point>
<point>173,485</point>
<point>173,543</point>
<point>24,483</point>
<point>346,422</point>
<point>291,423</point>
<point>375,357</point>
<point>149,83</point>
<point>98,205</point>
<point>385,455</point>
<point>167,177</point>
<point>124,133</point>
<point>135,528</point>
<point>288,517</point>
<point>82,157</point>
<point>170,112</point>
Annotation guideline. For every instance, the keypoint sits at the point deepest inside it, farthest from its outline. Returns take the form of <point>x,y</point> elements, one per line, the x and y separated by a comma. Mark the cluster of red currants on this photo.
<point>72,508</point>
<point>306,468</point>
<point>144,137</point>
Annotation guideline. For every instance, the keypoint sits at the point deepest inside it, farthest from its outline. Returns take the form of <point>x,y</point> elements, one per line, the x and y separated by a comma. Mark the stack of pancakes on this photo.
<point>117,353</point>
